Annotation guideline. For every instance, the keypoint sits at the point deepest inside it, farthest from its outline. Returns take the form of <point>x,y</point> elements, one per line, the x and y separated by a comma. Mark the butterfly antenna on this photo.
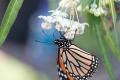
<point>44,42</point>
<point>54,34</point>
<point>44,33</point>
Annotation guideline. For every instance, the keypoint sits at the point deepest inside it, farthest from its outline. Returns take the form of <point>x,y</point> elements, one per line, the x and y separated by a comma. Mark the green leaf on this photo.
<point>109,39</point>
<point>113,12</point>
<point>9,18</point>
<point>95,23</point>
<point>114,16</point>
<point>104,51</point>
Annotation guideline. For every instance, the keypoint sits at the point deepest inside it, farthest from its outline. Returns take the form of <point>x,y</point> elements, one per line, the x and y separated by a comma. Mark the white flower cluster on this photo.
<point>63,19</point>
<point>68,6</point>
<point>98,9</point>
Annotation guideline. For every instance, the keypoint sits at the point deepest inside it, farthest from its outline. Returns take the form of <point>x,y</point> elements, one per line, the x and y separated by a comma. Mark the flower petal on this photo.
<point>46,25</point>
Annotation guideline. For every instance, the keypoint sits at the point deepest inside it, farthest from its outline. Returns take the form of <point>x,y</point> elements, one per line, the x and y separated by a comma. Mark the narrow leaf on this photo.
<point>104,52</point>
<point>113,12</point>
<point>114,16</point>
<point>101,42</point>
<point>9,18</point>
<point>110,40</point>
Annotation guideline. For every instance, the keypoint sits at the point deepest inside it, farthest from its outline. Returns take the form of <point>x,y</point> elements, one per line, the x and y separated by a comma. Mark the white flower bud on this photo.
<point>46,25</point>
<point>81,29</point>
<point>69,34</point>
<point>94,5</point>
<point>49,19</point>
<point>79,8</point>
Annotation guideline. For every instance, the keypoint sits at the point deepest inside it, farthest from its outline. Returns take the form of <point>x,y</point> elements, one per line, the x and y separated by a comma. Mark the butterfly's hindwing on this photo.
<point>61,68</point>
<point>78,63</point>
<point>62,75</point>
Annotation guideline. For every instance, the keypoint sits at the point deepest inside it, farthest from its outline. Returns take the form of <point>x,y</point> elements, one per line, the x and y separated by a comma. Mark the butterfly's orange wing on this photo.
<point>76,64</point>
<point>63,75</point>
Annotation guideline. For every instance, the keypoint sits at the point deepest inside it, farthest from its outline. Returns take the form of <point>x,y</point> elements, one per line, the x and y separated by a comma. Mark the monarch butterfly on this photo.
<point>74,63</point>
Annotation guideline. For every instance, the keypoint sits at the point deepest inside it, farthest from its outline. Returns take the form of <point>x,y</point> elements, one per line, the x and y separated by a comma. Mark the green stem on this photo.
<point>113,14</point>
<point>109,39</point>
<point>104,52</point>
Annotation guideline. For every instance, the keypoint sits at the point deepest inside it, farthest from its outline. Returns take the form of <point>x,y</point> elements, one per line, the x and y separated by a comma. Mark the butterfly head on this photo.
<point>63,43</point>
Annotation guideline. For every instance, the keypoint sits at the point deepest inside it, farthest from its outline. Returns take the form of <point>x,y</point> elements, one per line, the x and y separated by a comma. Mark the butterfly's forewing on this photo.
<point>76,64</point>
<point>63,75</point>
